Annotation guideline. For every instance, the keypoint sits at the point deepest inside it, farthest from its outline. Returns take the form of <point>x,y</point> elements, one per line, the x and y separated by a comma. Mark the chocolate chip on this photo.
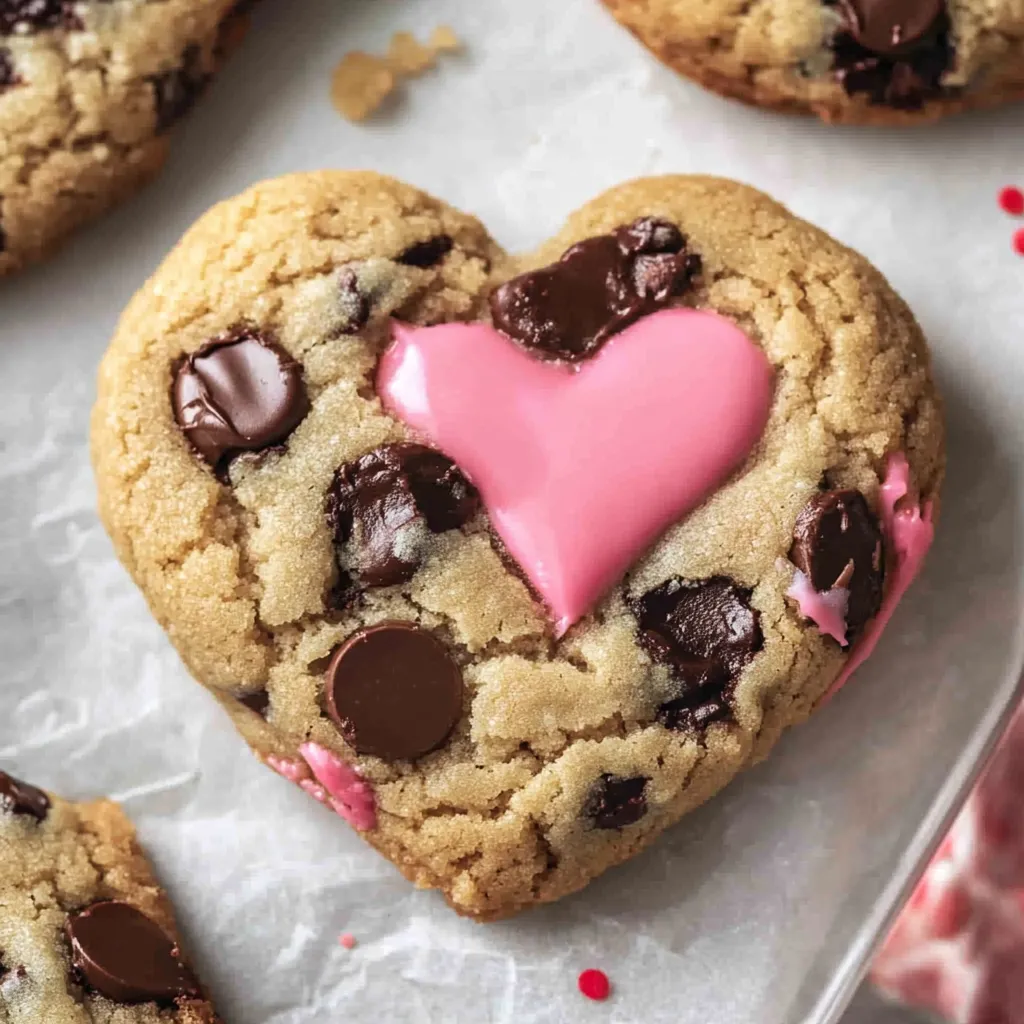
<point>893,51</point>
<point>255,700</point>
<point>383,507</point>
<point>124,955</point>
<point>353,301</point>
<point>8,76</point>
<point>36,15</point>
<point>17,797</point>
<point>239,392</point>
<point>837,542</point>
<point>175,92</point>
<point>616,802</point>
<point>426,254</point>
<point>394,691</point>
<point>597,288</point>
<point>706,632</point>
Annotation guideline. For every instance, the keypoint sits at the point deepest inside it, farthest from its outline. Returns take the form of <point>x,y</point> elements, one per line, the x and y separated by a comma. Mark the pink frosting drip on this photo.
<point>327,778</point>
<point>910,532</point>
<point>958,946</point>
<point>581,468</point>
<point>827,610</point>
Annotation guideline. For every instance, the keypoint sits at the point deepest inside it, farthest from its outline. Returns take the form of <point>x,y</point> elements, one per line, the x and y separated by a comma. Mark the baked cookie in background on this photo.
<point>692,453</point>
<point>89,90</point>
<point>856,61</point>
<point>86,934</point>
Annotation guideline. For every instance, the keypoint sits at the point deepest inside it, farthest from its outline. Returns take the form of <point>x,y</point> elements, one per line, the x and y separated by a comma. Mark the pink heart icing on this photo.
<point>582,468</point>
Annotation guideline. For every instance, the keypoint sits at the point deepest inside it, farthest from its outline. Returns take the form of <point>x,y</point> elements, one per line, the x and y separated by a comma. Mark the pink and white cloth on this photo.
<point>957,950</point>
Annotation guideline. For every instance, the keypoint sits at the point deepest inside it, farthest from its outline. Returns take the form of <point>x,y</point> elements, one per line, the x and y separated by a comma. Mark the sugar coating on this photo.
<point>79,128</point>
<point>775,53</point>
<point>239,575</point>
<point>78,854</point>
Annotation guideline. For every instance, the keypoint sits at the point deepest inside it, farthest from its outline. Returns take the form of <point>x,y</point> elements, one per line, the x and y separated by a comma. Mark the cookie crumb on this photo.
<point>594,984</point>
<point>1018,242</point>
<point>444,40</point>
<point>347,940</point>
<point>360,84</point>
<point>407,56</point>
<point>1011,199</point>
<point>362,81</point>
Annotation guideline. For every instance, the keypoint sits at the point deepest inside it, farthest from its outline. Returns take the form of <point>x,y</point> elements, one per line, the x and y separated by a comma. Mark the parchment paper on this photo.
<point>749,909</point>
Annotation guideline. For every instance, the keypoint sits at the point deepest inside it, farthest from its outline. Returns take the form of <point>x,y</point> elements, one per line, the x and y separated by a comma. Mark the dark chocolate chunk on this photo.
<point>706,632</point>
<point>239,392</point>
<point>893,51</point>
<point>383,506</point>
<point>124,955</point>
<point>394,691</point>
<point>426,254</point>
<point>176,91</point>
<point>255,700</point>
<point>598,287</point>
<point>837,542</point>
<point>616,802</point>
<point>355,303</point>
<point>36,15</point>
<point>17,797</point>
<point>8,76</point>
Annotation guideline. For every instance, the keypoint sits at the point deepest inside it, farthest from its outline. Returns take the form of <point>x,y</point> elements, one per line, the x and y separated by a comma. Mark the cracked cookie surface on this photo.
<point>279,573</point>
<point>858,61</point>
<point>89,90</point>
<point>86,934</point>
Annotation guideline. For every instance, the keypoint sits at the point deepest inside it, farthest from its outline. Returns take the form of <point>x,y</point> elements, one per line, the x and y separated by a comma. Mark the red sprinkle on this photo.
<point>347,939</point>
<point>1018,242</point>
<point>1011,199</point>
<point>594,984</point>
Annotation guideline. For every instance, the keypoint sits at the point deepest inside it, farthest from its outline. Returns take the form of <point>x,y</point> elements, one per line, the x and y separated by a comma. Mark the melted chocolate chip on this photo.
<point>616,802</point>
<point>353,301</point>
<point>394,691</point>
<point>706,632</point>
<point>175,92</point>
<point>837,542</point>
<point>17,797</point>
<point>240,392</point>
<point>598,287</point>
<point>426,254</point>
<point>383,507</point>
<point>893,51</point>
<point>124,955</point>
<point>256,700</point>
<point>36,15</point>
<point>8,76</point>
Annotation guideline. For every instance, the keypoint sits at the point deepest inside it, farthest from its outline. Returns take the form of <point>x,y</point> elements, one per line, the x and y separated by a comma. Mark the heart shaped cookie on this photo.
<point>508,561</point>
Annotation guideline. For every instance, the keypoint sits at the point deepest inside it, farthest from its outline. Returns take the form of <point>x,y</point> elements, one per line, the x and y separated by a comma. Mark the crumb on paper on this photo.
<point>360,84</point>
<point>363,81</point>
<point>407,57</point>
<point>444,40</point>
<point>347,940</point>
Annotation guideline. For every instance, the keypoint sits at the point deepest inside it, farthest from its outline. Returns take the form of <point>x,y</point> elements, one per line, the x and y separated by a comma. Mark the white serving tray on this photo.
<point>762,906</point>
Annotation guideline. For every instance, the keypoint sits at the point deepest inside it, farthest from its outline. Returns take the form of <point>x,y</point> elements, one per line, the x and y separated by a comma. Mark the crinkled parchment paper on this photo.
<point>743,912</point>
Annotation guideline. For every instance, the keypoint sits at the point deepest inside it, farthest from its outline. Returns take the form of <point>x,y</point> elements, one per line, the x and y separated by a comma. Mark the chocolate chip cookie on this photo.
<point>86,935</point>
<point>512,561</point>
<point>862,61</point>
<point>89,90</point>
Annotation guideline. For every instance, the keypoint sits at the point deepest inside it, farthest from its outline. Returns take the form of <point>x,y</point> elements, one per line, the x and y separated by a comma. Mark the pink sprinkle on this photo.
<point>1018,242</point>
<point>347,940</point>
<point>1011,199</point>
<point>594,984</point>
